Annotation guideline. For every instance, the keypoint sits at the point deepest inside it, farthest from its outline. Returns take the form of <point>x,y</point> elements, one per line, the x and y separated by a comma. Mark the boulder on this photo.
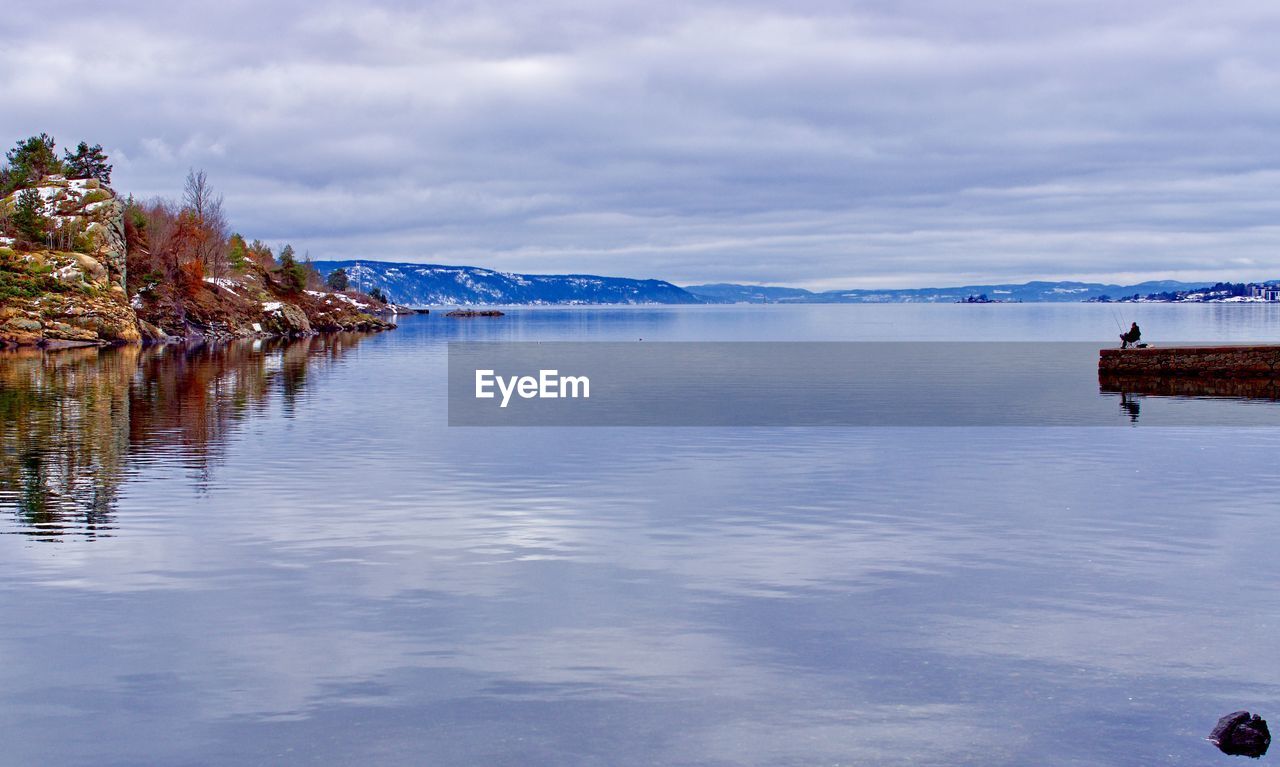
<point>94,272</point>
<point>296,319</point>
<point>284,319</point>
<point>17,329</point>
<point>152,334</point>
<point>25,324</point>
<point>1241,734</point>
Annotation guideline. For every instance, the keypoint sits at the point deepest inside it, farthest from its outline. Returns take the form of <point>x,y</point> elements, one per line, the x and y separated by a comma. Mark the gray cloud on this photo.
<point>817,143</point>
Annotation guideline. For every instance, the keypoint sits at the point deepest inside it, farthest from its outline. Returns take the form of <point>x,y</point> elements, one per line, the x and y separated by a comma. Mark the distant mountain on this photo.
<point>431,284</point>
<point>1028,292</point>
<point>728,293</point>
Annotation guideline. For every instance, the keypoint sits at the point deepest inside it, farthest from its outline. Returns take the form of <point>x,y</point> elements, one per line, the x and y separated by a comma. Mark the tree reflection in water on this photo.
<point>72,421</point>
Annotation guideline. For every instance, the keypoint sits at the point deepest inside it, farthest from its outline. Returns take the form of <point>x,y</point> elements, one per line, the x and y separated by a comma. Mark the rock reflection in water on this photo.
<point>1132,387</point>
<point>1190,386</point>
<point>71,421</point>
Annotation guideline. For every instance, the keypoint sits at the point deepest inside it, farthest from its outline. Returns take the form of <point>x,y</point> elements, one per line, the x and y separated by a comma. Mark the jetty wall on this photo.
<point>1255,362</point>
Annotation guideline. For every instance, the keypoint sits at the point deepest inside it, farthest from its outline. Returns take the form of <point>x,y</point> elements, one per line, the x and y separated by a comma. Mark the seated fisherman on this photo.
<point>1131,337</point>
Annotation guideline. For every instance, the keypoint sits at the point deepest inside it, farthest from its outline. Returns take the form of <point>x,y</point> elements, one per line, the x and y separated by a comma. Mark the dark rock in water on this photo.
<point>474,313</point>
<point>1241,734</point>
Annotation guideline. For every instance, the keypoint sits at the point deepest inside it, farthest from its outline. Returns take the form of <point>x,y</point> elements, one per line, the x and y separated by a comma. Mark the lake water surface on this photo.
<point>281,554</point>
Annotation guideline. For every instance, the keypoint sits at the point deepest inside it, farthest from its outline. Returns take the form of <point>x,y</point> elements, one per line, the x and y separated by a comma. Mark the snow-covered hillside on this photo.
<point>430,285</point>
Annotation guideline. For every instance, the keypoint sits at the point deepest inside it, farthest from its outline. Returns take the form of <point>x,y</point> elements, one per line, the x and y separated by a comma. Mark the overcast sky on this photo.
<point>809,143</point>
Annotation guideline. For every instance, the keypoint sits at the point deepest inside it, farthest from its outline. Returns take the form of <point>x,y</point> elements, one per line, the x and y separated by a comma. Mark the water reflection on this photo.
<point>1183,386</point>
<point>1133,388</point>
<point>65,435</point>
<point>1130,405</point>
<point>401,593</point>
<point>73,420</point>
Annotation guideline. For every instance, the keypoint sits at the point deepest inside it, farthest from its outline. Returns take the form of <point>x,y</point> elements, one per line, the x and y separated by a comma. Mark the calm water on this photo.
<point>282,555</point>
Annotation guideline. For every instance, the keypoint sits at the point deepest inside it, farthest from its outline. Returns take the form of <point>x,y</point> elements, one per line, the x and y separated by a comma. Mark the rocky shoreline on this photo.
<point>75,292</point>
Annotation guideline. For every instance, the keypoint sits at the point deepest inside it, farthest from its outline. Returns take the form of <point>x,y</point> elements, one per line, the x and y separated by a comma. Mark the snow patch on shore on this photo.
<point>226,284</point>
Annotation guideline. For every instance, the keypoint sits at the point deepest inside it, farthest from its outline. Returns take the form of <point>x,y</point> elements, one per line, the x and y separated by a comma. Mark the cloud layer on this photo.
<point>814,143</point>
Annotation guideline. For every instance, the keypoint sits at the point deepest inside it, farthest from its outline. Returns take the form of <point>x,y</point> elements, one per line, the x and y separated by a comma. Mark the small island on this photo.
<point>474,313</point>
<point>81,266</point>
<point>981,298</point>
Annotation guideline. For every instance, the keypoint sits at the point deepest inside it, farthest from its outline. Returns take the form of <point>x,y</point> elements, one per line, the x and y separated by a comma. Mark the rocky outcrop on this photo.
<point>252,304</point>
<point>111,248</point>
<point>57,298</point>
<point>87,217</point>
<point>69,296</point>
<point>75,292</point>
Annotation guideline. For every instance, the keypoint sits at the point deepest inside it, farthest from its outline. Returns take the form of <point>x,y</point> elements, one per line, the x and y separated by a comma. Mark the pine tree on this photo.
<point>237,252</point>
<point>33,159</point>
<point>293,275</point>
<point>88,162</point>
<point>337,280</point>
<point>28,217</point>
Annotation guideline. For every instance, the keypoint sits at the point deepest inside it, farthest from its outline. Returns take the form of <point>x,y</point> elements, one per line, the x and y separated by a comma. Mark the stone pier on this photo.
<point>1245,362</point>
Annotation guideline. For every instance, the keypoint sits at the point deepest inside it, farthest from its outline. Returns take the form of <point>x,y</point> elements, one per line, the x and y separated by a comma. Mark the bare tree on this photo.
<point>198,195</point>
<point>163,236</point>
<point>200,200</point>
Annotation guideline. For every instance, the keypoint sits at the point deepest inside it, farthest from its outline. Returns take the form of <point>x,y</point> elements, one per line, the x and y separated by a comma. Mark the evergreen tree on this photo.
<point>237,252</point>
<point>293,275</point>
<point>28,217</point>
<point>337,280</point>
<point>33,159</point>
<point>88,162</point>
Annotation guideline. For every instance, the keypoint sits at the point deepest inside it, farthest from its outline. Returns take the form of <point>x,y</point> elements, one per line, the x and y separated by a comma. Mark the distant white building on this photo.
<point>1265,292</point>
